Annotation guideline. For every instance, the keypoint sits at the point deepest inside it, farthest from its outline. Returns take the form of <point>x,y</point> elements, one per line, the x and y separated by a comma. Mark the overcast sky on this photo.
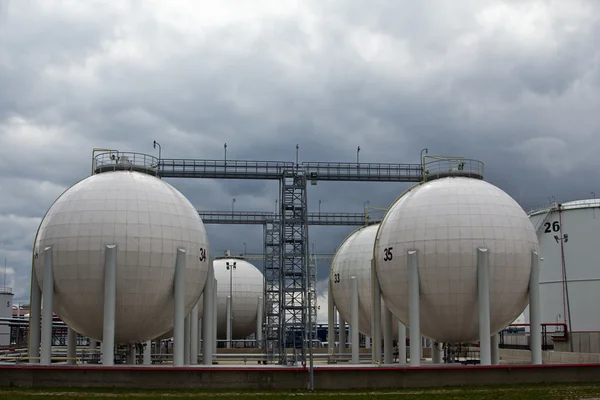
<point>514,84</point>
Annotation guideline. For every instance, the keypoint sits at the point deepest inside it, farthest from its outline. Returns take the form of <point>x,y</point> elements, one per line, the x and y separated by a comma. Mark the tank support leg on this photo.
<point>187,348</point>
<point>342,327</point>
<point>214,314</point>
<point>376,320</point>
<point>401,343</point>
<point>48,294</point>
<point>355,321</point>
<point>200,340</point>
<point>495,349</point>
<point>388,335</point>
<point>35,314</point>
<point>414,309</point>
<point>259,322</point>
<point>194,335</point>
<point>179,312</point>
<point>436,352</point>
<point>71,346</point>
<point>110,295</point>
<point>330,322</point>
<point>534,310</point>
<point>148,352</point>
<point>207,318</point>
<point>483,297</point>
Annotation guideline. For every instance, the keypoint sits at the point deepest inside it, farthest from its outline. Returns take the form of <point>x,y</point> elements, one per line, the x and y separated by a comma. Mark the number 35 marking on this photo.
<point>387,254</point>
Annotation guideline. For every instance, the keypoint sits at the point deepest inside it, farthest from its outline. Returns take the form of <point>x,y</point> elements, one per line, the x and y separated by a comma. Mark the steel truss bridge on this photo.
<point>288,280</point>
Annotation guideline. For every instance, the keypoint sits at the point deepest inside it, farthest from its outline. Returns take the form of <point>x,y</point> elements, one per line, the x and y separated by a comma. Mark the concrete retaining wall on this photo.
<point>281,378</point>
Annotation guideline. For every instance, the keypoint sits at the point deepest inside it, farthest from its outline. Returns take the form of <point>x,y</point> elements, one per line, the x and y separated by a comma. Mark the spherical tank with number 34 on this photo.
<point>148,220</point>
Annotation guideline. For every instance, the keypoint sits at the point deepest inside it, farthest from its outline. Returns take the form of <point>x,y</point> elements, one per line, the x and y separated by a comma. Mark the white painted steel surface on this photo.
<point>446,220</point>
<point>580,224</point>
<point>148,220</point>
<point>353,258</point>
<point>247,288</point>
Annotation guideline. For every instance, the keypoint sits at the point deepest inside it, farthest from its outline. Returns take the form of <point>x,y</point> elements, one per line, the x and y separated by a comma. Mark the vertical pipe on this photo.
<point>259,320</point>
<point>48,293</point>
<point>414,309</point>
<point>148,352</point>
<point>368,343</point>
<point>110,302</point>
<point>376,323</point>
<point>207,318</point>
<point>401,343</point>
<point>534,310</point>
<point>71,346</point>
<point>35,317</point>
<point>194,335</point>
<point>483,305</point>
<point>342,327</point>
<point>495,349</point>
<point>179,311</point>
<point>354,317</point>
<point>228,322</point>
<point>330,322</point>
<point>187,342</point>
<point>388,335</point>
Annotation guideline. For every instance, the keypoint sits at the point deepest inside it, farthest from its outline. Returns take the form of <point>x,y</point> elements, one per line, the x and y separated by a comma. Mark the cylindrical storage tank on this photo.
<point>6,303</point>
<point>148,220</point>
<point>447,220</point>
<point>353,258</point>
<point>568,240</point>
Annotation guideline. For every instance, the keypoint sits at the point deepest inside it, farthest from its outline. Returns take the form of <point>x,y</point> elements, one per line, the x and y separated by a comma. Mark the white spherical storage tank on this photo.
<point>446,221</point>
<point>148,220</point>
<point>245,283</point>
<point>353,258</point>
<point>568,242</point>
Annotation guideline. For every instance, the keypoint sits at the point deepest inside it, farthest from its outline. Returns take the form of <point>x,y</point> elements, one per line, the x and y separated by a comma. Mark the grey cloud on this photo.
<point>514,84</point>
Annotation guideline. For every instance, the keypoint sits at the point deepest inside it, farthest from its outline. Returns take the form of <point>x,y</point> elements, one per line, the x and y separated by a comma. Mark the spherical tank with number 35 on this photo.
<point>446,221</point>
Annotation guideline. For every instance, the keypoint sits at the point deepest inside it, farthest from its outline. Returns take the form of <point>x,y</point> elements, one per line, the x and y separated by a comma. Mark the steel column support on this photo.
<point>194,335</point>
<point>483,306</point>
<point>535,323</point>
<point>355,320</point>
<point>48,296</point>
<point>401,343</point>
<point>414,308</point>
<point>35,317</point>
<point>376,321</point>
<point>342,327</point>
<point>179,312</point>
<point>147,352</point>
<point>71,346</point>
<point>330,322</point>
<point>495,349</point>
<point>208,318</point>
<point>110,303</point>
<point>259,322</point>
<point>388,334</point>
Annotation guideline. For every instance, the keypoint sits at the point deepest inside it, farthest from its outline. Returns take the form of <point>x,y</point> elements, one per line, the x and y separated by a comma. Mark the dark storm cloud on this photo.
<point>514,84</point>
